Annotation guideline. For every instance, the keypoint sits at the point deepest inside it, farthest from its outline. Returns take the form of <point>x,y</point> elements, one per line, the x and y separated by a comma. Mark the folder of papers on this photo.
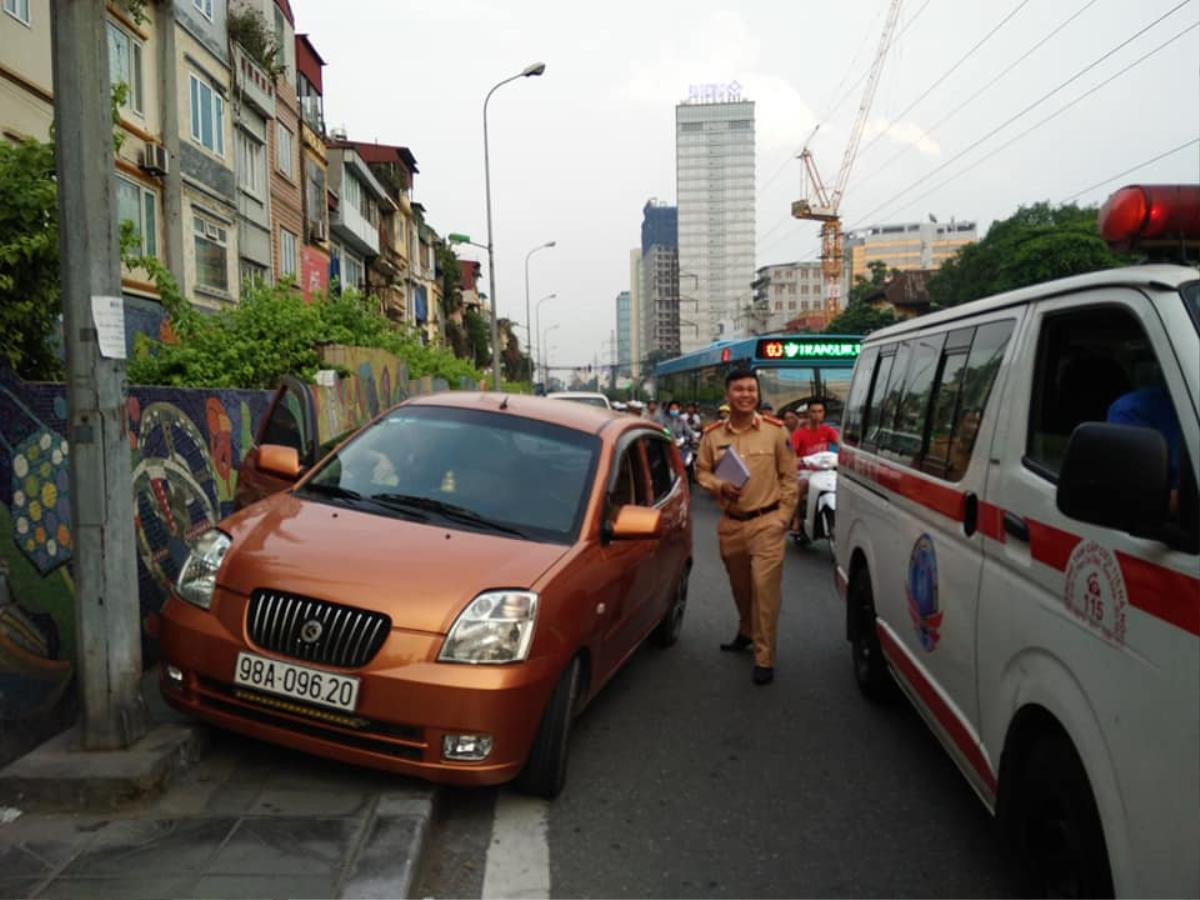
<point>732,469</point>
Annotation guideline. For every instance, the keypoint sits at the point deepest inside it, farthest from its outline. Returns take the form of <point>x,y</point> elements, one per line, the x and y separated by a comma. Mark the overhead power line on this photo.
<point>946,118</point>
<point>1141,165</point>
<point>834,107</point>
<point>1029,108</point>
<point>954,68</point>
<point>1048,118</point>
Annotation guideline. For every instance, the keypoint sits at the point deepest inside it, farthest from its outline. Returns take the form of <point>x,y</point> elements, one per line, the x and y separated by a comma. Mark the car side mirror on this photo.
<point>283,462</point>
<point>635,523</point>
<point>1116,476</point>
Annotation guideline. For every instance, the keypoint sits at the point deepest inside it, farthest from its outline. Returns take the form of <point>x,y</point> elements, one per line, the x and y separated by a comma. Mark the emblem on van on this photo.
<point>311,631</point>
<point>921,587</point>
<point>1095,590</point>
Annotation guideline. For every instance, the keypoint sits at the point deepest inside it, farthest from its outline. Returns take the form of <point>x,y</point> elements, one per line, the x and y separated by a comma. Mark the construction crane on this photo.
<point>818,205</point>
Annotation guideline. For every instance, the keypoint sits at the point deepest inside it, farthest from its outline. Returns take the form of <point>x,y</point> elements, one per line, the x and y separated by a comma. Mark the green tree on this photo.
<point>859,317</point>
<point>478,339</point>
<point>30,296</point>
<point>1037,243</point>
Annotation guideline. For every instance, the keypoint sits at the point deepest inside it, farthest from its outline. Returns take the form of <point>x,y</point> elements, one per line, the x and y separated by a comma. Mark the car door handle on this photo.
<point>970,513</point>
<point>1016,526</point>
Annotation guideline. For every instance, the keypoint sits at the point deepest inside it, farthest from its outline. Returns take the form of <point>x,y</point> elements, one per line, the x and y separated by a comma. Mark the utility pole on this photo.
<point>105,567</point>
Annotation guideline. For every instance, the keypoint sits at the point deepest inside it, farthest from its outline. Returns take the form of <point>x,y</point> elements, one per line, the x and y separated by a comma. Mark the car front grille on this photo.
<point>315,630</point>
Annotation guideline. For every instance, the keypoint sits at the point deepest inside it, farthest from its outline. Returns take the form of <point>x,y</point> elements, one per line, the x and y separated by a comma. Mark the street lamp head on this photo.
<point>550,244</point>
<point>534,69</point>
<point>455,238</point>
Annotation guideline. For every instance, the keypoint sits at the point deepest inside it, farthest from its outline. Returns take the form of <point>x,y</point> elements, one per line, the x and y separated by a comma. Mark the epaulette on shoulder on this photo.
<point>774,421</point>
<point>708,428</point>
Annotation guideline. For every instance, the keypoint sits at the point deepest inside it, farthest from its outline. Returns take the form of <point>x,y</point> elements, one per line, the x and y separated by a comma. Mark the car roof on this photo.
<point>1159,276</point>
<point>578,416</point>
<point>577,394</point>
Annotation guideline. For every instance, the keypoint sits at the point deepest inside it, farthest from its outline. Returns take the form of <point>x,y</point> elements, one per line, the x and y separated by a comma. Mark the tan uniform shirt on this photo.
<point>765,449</point>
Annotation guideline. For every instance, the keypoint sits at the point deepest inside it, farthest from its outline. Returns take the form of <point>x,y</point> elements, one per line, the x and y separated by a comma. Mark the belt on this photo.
<point>753,514</point>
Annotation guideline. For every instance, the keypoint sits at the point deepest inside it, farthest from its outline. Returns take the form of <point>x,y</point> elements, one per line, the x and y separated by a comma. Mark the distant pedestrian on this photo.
<point>756,515</point>
<point>692,416</point>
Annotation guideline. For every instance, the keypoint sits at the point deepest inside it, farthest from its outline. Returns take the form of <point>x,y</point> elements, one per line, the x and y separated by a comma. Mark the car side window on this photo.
<point>285,424</point>
<point>856,403</point>
<point>983,364</point>
<point>662,472</point>
<point>906,438</point>
<point>943,413</point>
<point>630,484</point>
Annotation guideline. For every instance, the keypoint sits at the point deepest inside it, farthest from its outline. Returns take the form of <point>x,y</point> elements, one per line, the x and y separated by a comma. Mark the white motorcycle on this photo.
<point>821,504</point>
<point>687,449</point>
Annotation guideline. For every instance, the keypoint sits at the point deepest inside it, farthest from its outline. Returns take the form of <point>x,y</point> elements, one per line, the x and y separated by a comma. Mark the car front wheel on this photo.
<point>545,771</point>
<point>667,632</point>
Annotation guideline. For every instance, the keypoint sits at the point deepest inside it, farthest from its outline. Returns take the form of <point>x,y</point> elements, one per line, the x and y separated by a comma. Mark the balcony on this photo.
<point>256,85</point>
<point>312,110</point>
<point>353,227</point>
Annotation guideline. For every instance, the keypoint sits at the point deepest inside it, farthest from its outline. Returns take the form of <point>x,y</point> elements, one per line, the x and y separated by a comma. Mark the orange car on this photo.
<point>442,594</point>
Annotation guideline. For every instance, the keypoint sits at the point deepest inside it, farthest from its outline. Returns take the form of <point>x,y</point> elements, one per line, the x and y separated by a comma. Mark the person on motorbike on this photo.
<point>677,424</point>
<point>692,417</point>
<point>813,436</point>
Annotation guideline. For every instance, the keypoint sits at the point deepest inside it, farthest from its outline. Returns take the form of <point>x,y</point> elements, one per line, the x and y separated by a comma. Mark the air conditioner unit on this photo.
<point>316,231</point>
<point>155,159</point>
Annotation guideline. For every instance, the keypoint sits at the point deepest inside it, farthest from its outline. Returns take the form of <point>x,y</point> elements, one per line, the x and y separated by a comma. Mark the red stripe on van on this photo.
<point>945,500</point>
<point>1162,593</point>
<point>1049,545</point>
<point>941,711</point>
<point>991,521</point>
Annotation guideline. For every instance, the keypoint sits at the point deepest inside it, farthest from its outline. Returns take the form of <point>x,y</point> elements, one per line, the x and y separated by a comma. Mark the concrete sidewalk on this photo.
<point>248,820</point>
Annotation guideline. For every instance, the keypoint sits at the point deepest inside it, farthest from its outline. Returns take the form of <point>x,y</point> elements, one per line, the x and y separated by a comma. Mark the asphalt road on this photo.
<point>687,780</point>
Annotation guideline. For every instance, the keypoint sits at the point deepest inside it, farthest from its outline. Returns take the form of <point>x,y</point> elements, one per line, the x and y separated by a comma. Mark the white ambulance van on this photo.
<point>1017,545</point>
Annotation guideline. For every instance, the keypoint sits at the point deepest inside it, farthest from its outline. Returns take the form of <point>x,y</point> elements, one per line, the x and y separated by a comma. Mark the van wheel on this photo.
<point>1055,825</point>
<point>667,632</point>
<point>545,771</point>
<point>870,670</point>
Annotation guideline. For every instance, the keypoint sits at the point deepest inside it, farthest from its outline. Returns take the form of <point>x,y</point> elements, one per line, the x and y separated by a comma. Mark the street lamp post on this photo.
<point>528,71</point>
<point>537,311</point>
<point>528,318</point>
<point>546,352</point>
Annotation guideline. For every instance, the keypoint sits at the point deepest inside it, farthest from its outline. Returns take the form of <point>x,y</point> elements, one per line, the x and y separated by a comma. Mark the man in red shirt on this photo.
<point>811,437</point>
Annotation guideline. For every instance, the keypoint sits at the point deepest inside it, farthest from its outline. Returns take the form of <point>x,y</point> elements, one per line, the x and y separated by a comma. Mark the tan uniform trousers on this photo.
<point>753,555</point>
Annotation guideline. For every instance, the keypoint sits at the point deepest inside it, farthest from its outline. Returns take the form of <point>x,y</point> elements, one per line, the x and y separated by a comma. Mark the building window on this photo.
<point>205,8</point>
<point>287,252</point>
<point>252,273</point>
<point>251,164</point>
<point>18,9</point>
<point>352,272</point>
<point>208,116</point>
<point>314,197</point>
<point>125,66</point>
<point>285,150</point>
<point>136,205</point>
<point>212,270</point>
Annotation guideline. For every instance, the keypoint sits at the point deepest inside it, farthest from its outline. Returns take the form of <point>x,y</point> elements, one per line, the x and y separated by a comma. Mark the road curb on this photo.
<point>398,832</point>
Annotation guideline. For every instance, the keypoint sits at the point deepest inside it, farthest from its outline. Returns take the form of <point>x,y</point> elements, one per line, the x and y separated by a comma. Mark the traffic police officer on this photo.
<point>753,528</point>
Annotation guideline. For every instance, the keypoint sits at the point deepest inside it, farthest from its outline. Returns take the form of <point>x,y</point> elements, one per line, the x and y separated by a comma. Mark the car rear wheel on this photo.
<point>545,771</point>
<point>870,670</point>
<point>1056,827</point>
<point>667,632</point>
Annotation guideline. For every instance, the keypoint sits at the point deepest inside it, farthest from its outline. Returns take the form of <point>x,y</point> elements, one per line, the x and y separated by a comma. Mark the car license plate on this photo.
<point>297,682</point>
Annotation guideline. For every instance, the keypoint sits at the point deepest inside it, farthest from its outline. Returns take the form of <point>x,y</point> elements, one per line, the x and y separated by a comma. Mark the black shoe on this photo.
<point>763,675</point>
<point>741,642</point>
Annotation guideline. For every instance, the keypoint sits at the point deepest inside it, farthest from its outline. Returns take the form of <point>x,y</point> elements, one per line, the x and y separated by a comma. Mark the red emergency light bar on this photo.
<point>1150,214</point>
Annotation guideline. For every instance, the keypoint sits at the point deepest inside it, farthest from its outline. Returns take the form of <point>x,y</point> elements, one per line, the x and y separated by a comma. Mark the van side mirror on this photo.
<point>1116,476</point>
<point>282,462</point>
<point>635,523</point>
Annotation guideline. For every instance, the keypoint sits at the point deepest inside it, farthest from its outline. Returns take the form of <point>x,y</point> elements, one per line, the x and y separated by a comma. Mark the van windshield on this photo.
<point>1191,299</point>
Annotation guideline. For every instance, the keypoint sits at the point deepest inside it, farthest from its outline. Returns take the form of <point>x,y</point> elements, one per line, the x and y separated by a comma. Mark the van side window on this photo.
<point>983,363</point>
<point>856,403</point>
<point>871,413</point>
<point>881,431</point>
<point>946,396</point>
<point>906,439</point>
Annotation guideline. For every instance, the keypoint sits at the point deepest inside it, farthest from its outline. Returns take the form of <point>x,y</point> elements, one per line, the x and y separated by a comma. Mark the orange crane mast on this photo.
<point>818,205</point>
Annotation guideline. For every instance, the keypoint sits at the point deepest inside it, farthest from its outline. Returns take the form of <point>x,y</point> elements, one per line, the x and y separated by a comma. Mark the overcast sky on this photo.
<point>576,153</point>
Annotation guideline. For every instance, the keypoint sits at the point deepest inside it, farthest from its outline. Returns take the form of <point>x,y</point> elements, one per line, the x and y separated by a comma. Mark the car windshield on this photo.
<point>473,469</point>
<point>1191,299</point>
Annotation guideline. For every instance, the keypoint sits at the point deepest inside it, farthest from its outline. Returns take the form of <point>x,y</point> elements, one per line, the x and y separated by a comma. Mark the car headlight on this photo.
<point>497,627</point>
<point>198,576</point>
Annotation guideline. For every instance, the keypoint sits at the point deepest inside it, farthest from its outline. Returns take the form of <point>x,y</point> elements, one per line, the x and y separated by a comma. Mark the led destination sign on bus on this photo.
<point>791,349</point>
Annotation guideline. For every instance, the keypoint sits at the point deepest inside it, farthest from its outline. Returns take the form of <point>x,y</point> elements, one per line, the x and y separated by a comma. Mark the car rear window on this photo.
<point>523,474</point>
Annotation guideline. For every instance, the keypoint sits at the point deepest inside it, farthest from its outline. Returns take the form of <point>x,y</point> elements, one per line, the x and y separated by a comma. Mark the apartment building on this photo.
<point>314,252</point>
<point>906,246</point>
<point>787,293</point>
<point>388,274</point>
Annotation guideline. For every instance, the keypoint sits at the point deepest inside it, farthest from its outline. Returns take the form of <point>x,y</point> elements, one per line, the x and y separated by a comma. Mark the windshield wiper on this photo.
<point>332,490</point>
<point>449,510</point>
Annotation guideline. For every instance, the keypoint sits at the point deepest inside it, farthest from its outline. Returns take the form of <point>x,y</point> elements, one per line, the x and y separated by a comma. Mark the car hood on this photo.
<point>421,575</point>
